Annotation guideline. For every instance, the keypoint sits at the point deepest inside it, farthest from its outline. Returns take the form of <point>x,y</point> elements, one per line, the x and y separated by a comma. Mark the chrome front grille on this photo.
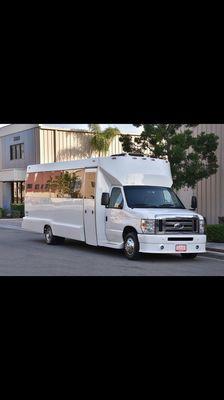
<point>175,225</point>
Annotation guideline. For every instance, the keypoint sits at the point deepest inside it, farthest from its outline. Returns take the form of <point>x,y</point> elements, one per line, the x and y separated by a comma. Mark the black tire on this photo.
<point>131,246</point>
<point>49,237</point>
<point>189,255</point>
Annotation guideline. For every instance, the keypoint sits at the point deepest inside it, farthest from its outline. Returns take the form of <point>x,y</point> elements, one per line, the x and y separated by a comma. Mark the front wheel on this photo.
<point>189,255</point>
<point>131,246</point>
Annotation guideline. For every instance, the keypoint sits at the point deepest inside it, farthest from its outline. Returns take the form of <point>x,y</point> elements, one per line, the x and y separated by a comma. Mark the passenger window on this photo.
<point>90,184</point>
<point>77,184</point>
<point>116,199</point>
<point>65,184</point>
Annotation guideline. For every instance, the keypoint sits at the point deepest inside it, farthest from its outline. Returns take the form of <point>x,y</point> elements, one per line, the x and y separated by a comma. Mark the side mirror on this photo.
<point>105,199</point>
<point>194,203</point>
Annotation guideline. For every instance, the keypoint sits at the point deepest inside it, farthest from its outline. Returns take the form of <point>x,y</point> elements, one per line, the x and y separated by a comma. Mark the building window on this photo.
<point>17,151</point>
<point>18,192</point>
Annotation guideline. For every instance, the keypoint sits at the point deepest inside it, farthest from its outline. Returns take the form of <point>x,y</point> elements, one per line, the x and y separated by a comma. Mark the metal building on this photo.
<point>210,192</point>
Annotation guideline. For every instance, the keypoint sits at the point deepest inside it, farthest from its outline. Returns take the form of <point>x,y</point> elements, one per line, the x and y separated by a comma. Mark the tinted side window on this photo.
<point>56,184</point>
<point>90,185</point>
<point>66,184</point>
<point>77,184</point>
<point>116,198</point>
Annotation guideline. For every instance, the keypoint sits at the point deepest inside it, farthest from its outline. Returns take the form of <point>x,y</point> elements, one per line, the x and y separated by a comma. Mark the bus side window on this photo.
<point>90,185</point>
<point>116,198</point>
<point>77,184</point>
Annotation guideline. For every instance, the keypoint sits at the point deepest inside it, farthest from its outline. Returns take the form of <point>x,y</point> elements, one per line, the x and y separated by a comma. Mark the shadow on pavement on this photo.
<point>83,247</point>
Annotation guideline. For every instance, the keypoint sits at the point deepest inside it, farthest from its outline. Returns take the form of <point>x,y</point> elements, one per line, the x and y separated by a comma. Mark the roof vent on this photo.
<point>119,155</point>
<point>136,154</point>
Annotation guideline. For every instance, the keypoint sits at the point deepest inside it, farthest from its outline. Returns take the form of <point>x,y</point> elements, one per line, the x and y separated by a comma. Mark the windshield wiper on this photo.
<point>167,206</point>
<point>142,206</point>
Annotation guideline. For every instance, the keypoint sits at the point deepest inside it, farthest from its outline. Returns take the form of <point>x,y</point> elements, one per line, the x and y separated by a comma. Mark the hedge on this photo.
<point>215,233</point>
<point>1,212</point>
<point>17,210</point>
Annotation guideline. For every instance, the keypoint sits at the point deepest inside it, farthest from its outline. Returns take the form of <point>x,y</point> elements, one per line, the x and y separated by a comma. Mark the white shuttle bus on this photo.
<point>123,201</point>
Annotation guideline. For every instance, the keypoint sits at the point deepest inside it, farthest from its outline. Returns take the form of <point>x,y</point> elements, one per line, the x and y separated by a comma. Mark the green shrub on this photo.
<point>16,214</point>
<point>215,233</point>
<point>6,213</point>
<point>17,210</point>
<point>1,212</point>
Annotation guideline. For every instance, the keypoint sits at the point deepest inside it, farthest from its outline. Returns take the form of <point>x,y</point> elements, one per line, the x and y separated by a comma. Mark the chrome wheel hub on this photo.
<point>130,246</point>
<point>48,235</point>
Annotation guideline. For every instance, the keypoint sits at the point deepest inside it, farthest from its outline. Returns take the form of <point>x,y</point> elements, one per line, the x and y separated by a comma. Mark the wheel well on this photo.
<point>127,230</point>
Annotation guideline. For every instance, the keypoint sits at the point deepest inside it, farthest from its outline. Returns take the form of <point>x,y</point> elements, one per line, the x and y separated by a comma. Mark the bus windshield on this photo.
<point>151,197</point>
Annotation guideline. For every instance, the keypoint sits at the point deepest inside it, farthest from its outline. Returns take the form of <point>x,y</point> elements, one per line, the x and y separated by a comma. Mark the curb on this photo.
<point>213,254</point>
<point>215,250</point>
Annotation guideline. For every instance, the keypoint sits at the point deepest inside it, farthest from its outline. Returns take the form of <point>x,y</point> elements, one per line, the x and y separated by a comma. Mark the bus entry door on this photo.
<point>90,206</point>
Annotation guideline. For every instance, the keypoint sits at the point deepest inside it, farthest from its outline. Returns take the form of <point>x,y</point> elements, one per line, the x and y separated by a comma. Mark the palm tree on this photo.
<point>102,139</point>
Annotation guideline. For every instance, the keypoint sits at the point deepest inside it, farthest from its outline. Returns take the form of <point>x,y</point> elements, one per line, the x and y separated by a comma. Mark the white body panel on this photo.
<point>87,220</point>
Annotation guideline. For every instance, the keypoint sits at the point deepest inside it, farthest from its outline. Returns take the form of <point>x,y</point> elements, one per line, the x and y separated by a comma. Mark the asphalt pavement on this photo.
<point>26,254</point>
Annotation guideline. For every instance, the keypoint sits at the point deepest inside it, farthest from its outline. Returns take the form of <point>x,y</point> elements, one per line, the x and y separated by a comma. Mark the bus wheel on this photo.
<point>131,246</point>
<point>49,237</point>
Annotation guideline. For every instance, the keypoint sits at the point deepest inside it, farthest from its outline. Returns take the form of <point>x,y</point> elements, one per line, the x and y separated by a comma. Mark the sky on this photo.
<point>124,128</point>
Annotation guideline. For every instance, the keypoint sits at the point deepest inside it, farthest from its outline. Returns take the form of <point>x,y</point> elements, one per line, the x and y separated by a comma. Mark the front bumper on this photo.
<point>153,243</point>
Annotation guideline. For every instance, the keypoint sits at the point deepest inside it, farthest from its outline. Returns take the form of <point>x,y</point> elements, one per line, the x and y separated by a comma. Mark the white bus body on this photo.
<point>63,200</point>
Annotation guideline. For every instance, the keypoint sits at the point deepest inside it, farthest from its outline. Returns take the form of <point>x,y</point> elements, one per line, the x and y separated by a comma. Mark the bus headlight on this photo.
<point>202,226</point>
<point>148,226</point>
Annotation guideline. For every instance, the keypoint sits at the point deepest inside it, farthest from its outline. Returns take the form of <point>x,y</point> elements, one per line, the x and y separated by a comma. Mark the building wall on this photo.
<point>1,184</point>
<point>210,192</point>
<point>70,145</point>
<point>29,139</point>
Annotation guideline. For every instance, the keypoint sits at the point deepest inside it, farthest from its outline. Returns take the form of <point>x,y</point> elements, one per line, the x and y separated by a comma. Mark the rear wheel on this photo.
<point>131,246</point>
<point>49,237</point>
<point>189,255</point>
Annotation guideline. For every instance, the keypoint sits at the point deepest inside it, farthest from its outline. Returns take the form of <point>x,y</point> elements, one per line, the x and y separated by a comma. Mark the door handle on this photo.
<point>92,212</point>
<point>85,211</point>
<point>106,219</point>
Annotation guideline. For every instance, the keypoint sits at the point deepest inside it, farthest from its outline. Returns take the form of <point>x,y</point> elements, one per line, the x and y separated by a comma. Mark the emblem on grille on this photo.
<point>178,226</point>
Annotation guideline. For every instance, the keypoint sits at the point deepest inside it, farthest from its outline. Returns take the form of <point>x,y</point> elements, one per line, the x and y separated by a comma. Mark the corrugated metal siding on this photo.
<point>37,144</point>
<point>210,192</point>
<point>46,146</point>
<point>70,145</point>
<point>1,184</point>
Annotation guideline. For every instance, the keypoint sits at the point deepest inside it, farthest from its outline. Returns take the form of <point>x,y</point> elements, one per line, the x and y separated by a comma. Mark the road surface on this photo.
<point>26,254</point>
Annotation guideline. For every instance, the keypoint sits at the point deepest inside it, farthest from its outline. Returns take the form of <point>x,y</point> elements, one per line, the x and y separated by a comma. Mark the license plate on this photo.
<point>181,247</point>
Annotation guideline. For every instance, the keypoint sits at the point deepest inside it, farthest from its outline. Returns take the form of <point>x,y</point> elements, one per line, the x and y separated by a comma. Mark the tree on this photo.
<point>102,139</point>
<point>192,158</point>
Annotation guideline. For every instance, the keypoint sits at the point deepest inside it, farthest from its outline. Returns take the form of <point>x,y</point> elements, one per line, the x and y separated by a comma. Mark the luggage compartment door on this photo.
<point>90,206</point>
